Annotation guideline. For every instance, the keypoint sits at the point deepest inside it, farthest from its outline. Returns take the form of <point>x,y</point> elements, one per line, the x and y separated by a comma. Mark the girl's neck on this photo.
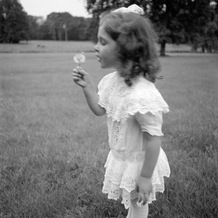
<point>119,70</point>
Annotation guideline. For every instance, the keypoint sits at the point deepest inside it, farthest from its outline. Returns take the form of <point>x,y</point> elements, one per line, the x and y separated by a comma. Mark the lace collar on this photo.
<point>121,101</point>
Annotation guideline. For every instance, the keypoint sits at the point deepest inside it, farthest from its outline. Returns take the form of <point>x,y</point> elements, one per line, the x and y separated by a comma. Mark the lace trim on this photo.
<point>131,158</point>
<point>117,127</point>
<point>111,190</point>
<point>118,178</point>
<point>121,174</point>
<point>131,107</point>
<point>117,135</point>
<point>126,197</point>
<point>115,192</point>
<point>129,100</point>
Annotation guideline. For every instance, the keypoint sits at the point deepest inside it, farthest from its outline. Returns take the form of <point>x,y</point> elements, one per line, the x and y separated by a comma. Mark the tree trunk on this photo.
<point>66,34</point>
<point>60,34</point>
<point>163,47</point>
<point>54,33</point>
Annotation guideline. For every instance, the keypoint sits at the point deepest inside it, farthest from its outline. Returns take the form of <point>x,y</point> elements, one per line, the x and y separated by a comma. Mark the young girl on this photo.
<point>136,164</point>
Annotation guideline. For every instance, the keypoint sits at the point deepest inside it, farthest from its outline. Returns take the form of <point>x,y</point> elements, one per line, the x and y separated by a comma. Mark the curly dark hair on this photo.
<point>136,39</point>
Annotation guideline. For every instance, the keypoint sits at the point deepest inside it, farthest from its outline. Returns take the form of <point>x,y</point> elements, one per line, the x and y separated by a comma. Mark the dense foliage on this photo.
<point>16,25</point>
<point>176,21</point>
<point>60,26</point>
<point>13,22</point>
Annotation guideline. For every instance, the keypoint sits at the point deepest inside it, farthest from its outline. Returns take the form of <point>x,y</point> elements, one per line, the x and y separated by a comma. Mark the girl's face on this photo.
<point>106,49</point>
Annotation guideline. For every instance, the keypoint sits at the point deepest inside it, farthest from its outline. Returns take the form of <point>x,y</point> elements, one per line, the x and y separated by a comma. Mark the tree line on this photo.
<point>59,26</point>
<point>176,21</point>
<point>17,25</point>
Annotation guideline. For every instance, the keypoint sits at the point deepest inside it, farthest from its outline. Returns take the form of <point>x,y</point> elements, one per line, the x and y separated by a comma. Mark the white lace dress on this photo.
<point>130,111</point>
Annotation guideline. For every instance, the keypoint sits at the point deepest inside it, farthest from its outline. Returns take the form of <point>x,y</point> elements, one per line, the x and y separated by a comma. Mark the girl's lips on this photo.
<point>98,58</point>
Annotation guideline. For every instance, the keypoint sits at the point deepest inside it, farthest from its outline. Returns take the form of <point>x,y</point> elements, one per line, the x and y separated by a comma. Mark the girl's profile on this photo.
<point>136,164</point>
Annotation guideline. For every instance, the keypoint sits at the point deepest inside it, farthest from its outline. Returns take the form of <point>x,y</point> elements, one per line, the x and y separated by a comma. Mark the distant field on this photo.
<point>52,148</point>
<point>47,47</point>
<point>70,46</point>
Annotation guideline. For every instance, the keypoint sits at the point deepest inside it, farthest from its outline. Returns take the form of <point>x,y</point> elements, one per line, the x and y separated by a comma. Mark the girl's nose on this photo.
<point>96,47</point>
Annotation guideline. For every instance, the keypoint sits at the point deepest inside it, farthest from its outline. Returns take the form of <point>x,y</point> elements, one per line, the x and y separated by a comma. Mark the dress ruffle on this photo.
<point>122,171</point>
<point>142,98</point>
<point>123,104</point>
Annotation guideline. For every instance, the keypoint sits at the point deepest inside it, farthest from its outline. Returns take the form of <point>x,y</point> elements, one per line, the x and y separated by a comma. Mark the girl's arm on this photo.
<point>92,100</point>
<point>152,149</point>
<point>82,79</point>
<point>144,183</point>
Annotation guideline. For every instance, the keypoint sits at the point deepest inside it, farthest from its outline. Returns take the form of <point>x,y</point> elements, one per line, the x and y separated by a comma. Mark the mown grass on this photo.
<point>52,148</point>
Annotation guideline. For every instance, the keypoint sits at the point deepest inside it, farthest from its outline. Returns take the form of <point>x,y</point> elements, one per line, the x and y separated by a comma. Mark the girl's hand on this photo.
<point>144,188</point>
<point>81,77</point>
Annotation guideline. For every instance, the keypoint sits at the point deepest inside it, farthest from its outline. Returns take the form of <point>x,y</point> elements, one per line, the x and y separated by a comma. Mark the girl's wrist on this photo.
<point>87,86</point>
<point>146,176</point>
<point>84,87</point>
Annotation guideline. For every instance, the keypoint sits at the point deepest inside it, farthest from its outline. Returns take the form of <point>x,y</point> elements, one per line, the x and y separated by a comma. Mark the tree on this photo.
<point>58,24</point>
<point>206,28</point>
<point>64,26</point>
<point>35,27</point>
<point>13,22</point>
<point>176,21</point>
<point>200,24</point>
<point>166,16</point>
<point>162,12</point>
<point>79,28</point>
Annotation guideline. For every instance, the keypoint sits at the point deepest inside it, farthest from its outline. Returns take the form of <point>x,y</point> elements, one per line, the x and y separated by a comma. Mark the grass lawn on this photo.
<point>52,148</point>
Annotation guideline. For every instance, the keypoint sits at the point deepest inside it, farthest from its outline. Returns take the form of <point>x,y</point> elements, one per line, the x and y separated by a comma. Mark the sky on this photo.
<point>45,7</point>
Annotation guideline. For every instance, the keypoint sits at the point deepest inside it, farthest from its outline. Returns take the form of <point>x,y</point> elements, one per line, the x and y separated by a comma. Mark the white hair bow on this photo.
<point>132,8</point>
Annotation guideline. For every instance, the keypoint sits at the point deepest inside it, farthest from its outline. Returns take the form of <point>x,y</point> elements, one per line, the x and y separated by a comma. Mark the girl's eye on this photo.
<point>103,42</point>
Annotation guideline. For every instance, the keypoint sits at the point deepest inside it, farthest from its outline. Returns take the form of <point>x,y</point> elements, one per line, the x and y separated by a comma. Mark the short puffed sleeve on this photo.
<point>104,88</point>
<point>105,82</point>
<point>102,84</point>
<point>150,122</point>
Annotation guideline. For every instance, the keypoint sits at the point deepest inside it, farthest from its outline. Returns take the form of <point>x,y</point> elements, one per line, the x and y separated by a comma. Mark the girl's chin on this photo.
<point>106,66</point>
<point>103,66</point>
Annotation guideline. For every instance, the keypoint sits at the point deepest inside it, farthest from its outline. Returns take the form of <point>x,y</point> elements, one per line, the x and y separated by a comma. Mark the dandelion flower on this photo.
<point>79,58</point>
